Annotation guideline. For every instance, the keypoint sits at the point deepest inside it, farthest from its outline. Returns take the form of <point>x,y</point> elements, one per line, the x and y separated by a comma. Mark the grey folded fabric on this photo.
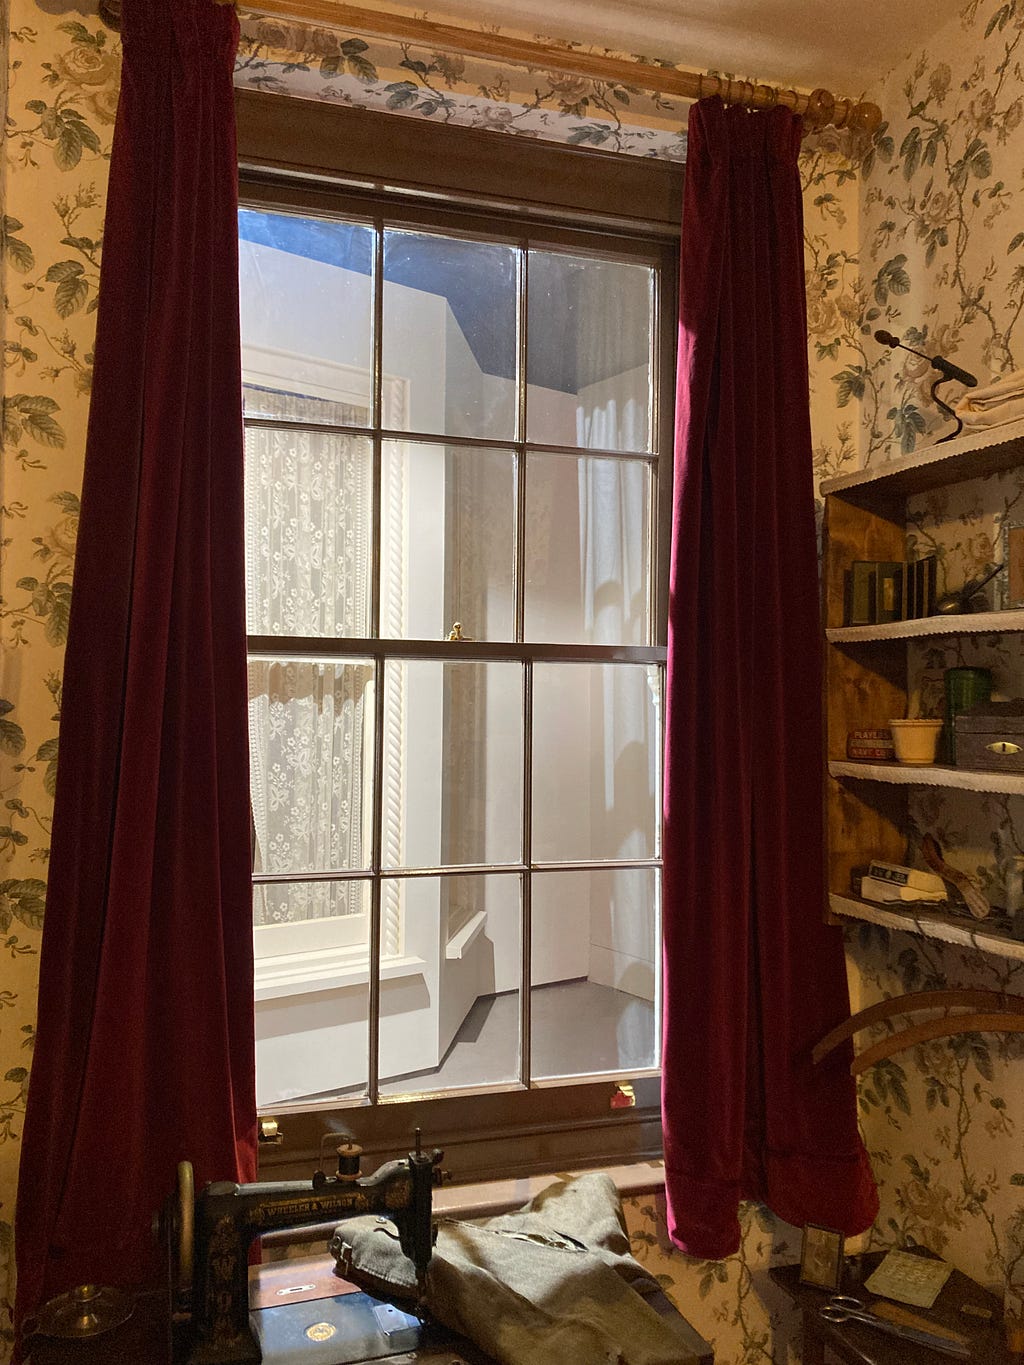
<point>552,1284</point>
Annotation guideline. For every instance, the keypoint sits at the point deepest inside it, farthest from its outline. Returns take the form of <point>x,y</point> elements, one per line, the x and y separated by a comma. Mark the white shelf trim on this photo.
<point>963,779</point>
<point>930,924</point>
<point>980,439</point>
<point>980,623</point>
<point>458,945</point>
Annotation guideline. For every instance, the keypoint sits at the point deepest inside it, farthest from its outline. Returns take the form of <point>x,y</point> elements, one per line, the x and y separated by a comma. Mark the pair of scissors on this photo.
<point>845,1308</point>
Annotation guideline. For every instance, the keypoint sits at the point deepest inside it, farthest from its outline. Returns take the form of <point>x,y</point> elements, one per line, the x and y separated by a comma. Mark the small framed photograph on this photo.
<point>1013,564</point>
<point>821,1257</point>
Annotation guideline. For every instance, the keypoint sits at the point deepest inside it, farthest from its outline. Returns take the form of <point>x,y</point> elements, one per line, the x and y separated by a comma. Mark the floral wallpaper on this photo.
<point>918,234</point>
<point>941,264</point>
<point>329,64</point>
<point>941,252</point>
<point>63,72</point>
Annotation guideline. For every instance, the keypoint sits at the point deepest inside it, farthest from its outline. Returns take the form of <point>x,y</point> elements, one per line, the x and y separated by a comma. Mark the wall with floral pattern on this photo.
<point>63,72</point>
<point>921,239</point>
<point>942,265</point>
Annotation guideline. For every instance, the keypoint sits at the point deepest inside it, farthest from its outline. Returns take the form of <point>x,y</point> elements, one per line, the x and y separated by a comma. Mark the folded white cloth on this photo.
<point>1001,401</point>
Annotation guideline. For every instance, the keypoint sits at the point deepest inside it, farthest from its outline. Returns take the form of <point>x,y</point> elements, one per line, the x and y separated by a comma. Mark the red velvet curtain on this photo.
<point>753,976</point>
<point>145,1051</point>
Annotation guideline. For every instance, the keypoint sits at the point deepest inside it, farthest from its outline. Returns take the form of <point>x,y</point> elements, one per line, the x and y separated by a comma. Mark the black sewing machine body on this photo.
<point>210,1239</point>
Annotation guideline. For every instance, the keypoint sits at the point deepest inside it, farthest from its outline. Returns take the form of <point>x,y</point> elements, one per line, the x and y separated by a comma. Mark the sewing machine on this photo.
<point>209,1236</point>
<point>291,1312</point>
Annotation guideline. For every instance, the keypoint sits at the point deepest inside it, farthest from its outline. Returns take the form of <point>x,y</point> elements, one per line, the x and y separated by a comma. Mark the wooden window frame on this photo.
<point>326,158</point>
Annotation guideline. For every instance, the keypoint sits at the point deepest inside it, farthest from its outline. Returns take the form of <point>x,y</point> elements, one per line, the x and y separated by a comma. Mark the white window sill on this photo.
<point>303,973</point>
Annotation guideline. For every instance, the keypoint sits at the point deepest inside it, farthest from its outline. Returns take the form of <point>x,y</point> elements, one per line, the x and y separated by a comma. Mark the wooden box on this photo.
<point>990,737</point>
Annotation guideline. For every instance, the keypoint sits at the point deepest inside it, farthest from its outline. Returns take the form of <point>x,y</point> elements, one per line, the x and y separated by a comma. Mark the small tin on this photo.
<point>871,745</point>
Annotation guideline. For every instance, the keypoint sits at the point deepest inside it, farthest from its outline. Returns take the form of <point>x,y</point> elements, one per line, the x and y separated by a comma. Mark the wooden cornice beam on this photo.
<point>819,107</point>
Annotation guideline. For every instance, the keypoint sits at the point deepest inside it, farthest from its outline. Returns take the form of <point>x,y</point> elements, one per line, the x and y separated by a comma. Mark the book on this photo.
<point>920,568</point>
<point>929,570</point>
<point>910,1279</point>
<point>888,591</point>
<point>860,600</point>
<point>905,876</point>
<point>911,571</point>
<point>885,893</point>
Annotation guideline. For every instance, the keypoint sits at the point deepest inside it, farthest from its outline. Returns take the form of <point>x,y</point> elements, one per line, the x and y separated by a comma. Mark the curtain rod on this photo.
<point>818,108</point>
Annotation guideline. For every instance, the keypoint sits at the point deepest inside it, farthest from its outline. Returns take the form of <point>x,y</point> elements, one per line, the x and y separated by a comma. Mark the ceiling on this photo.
<point>844,45</point>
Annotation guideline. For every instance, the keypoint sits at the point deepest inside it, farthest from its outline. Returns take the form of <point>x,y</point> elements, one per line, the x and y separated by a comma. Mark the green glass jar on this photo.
<point>965,687</point>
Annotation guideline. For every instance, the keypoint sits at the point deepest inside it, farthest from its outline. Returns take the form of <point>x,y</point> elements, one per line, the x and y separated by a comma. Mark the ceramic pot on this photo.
<point>916,741</point>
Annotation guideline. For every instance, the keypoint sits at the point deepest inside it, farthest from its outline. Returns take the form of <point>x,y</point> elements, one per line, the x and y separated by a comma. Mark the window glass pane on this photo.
<point>306,316</point>
<point>589,341</point>
<point>311,1025</point>
<point>447,541</point>
<point>308,533</point>
<point>453,746</point>
<point>588,555</point>
<point>450,1017</point>
<point>449,347</point>
<point>594,970</point>
<point>311,765</point>
<point>596,775</point>
<point>325,902</point>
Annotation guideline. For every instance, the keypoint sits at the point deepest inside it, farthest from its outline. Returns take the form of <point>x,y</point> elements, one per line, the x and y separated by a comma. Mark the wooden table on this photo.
<point>860,1344</point>
<point>145,1338</point>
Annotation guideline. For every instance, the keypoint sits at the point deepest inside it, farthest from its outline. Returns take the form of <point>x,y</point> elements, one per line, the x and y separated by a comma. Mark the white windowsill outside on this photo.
<point>320,970</point>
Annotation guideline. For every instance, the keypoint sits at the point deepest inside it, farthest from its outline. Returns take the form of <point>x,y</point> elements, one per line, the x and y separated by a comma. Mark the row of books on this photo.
<point>888,883</point>
<point>889,590</point>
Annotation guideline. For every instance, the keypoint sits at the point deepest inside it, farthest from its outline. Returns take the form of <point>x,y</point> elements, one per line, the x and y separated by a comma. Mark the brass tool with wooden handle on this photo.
<point>883,1309</point>
<point>974,899</point>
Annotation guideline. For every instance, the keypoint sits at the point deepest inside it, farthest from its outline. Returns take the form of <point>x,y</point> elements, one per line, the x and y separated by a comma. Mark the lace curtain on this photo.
<point>308,519</point>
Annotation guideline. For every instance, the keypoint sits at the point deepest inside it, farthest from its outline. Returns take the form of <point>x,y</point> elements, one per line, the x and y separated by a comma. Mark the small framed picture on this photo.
<point>1013,564</point>
<point>821,1257</point>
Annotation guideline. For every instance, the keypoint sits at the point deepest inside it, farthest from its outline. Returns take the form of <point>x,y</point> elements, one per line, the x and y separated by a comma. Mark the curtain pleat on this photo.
<point>753,976</point>
<point>145,1052</point>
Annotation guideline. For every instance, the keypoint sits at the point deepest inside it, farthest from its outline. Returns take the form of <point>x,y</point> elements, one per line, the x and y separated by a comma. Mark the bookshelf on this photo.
<point>866,675</point>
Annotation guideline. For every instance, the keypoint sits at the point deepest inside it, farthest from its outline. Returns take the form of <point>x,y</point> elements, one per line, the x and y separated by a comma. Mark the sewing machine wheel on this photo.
<point>182,1230</point>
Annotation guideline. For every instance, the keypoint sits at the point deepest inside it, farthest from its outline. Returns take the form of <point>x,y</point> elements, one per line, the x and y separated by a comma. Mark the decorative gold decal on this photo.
<point>320,1331</point>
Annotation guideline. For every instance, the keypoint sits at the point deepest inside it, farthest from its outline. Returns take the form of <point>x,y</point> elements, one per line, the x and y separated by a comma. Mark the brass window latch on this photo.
<point>268,1133</point>
<point>456,632</point>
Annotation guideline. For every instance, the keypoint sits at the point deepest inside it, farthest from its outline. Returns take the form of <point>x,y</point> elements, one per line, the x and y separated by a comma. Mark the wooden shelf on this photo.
<point>980,623</point>
<point>906,775</point>
<point>971,456</point>
<point>870,806</point>
<point>937,924</point>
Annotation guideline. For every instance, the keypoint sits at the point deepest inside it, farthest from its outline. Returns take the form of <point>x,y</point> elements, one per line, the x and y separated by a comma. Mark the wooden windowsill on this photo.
<point>483,1200</point>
